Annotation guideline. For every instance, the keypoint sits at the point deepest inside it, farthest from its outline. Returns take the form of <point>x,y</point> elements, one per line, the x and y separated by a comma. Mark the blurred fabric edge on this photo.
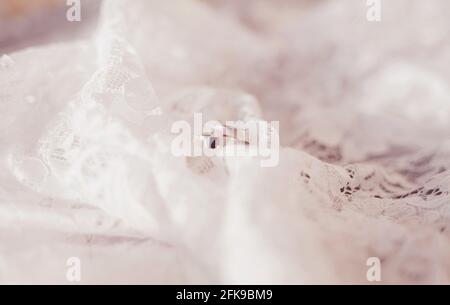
<point>14,8</point>
<point>28,23</point>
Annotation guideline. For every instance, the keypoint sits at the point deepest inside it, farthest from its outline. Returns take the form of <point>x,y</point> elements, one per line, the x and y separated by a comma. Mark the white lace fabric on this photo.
<point>364,109</point>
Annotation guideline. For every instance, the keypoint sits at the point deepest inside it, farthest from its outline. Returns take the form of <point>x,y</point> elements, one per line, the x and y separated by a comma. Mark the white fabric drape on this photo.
<point>364,108</point>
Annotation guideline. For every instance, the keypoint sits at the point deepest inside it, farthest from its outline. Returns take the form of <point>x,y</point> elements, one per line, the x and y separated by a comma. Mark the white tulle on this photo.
<point>87,171</point>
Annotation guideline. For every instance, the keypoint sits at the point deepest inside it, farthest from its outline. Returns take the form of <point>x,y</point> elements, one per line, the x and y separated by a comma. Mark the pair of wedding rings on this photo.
<point>221,135</point>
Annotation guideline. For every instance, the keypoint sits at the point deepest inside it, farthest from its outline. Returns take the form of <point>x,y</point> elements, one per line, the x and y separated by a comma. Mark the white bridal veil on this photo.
<point>364,112</point>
